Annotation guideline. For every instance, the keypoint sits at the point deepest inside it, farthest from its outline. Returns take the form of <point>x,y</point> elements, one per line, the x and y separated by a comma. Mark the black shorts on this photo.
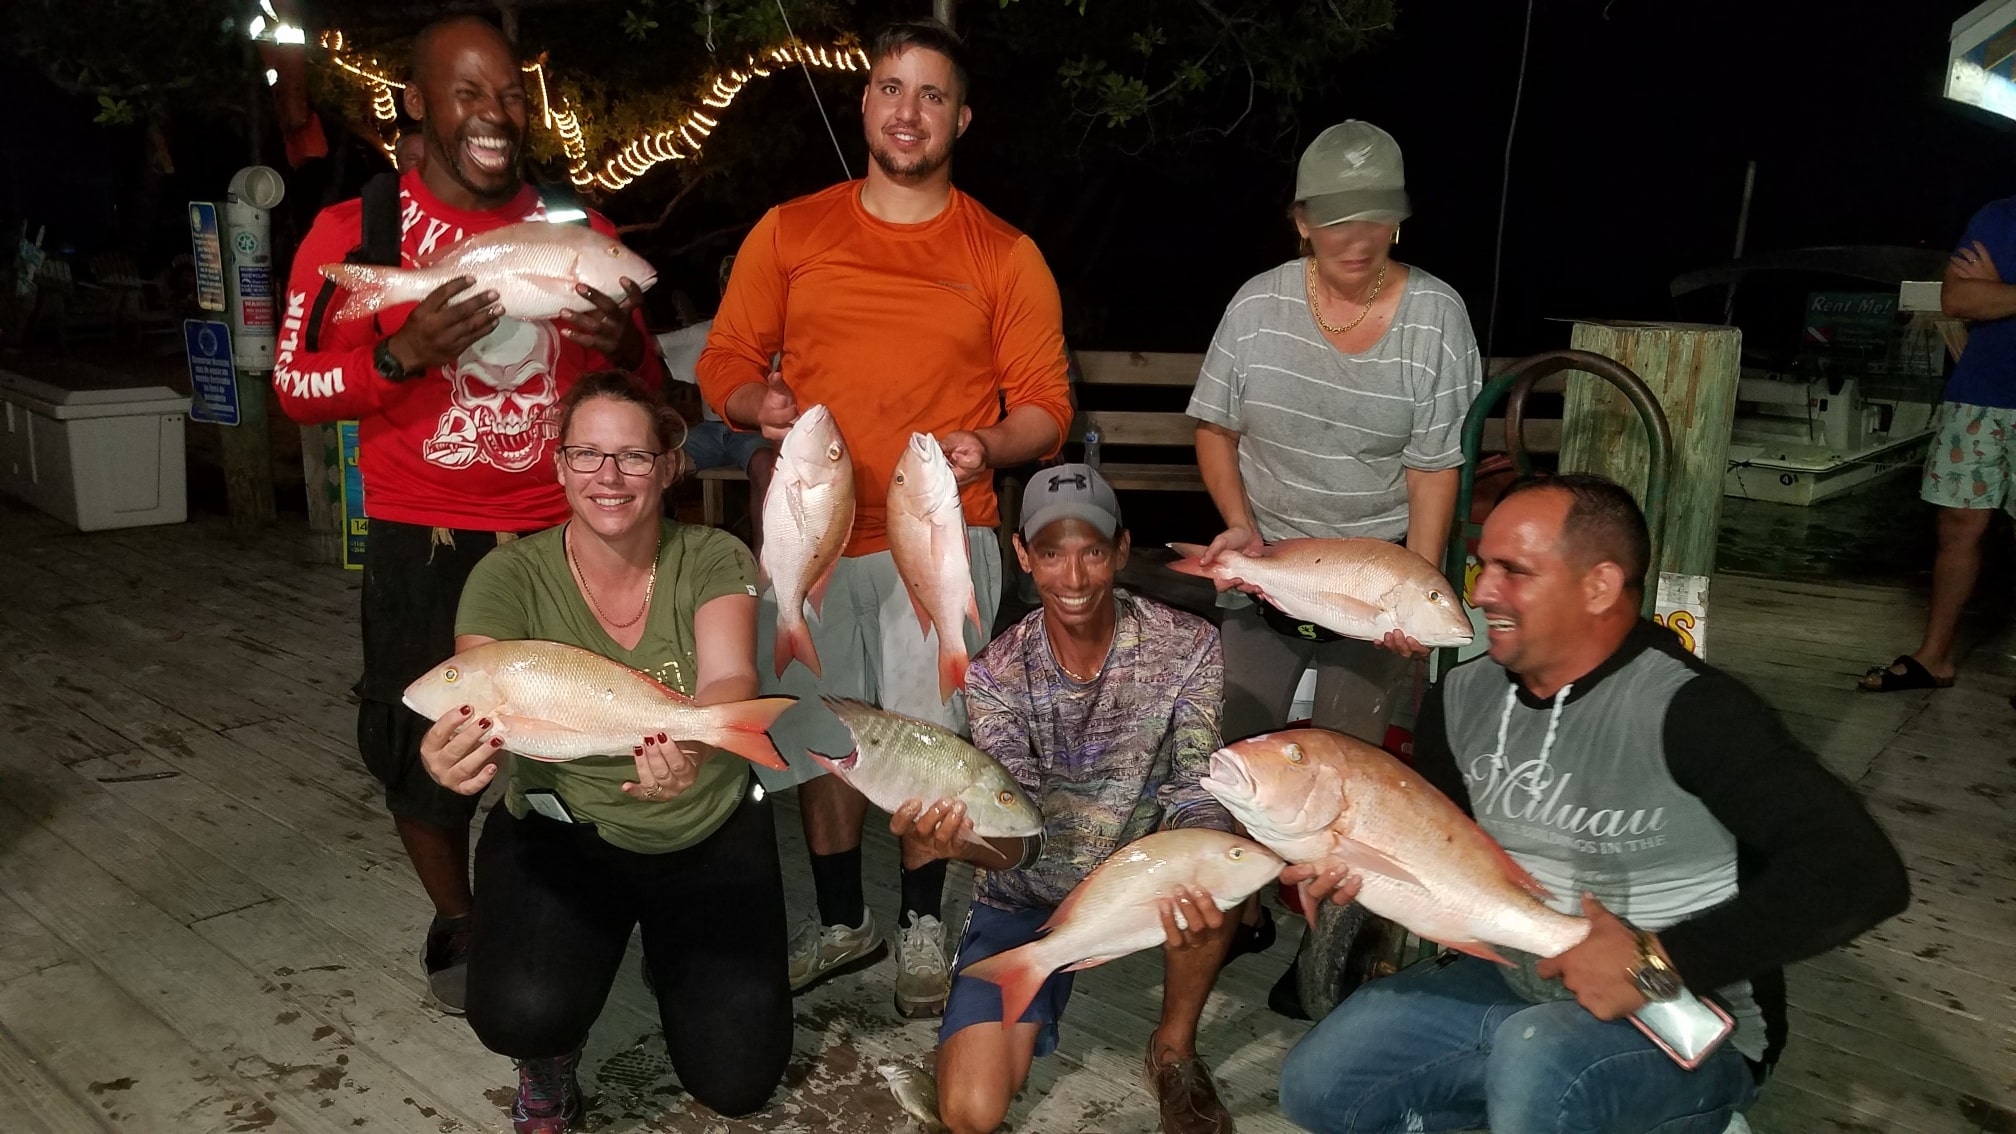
<point>412,586</point>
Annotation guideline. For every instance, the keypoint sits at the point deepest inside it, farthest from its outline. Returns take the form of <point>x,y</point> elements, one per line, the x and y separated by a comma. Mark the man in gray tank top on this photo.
<point>1647,792</point>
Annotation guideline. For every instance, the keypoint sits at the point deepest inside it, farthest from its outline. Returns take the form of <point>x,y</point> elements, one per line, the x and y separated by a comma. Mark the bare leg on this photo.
<point>1954,570</point>
<point>981,1068</point>
<point>762,465</point>
<point>440,856</point>
<point>832,812</point>
<point>1187,977</point>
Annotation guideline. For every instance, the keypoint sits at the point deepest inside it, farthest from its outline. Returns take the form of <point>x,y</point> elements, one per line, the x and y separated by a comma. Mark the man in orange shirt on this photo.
<point>909,308</point>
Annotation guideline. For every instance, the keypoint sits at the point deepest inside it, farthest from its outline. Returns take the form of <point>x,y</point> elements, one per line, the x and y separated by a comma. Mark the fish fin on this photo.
<point>742,727</point>
<point>1311,904</point>
<point>1479,950</point>
<point>917,604</point>
<point>1518,874</point>
<point>367,286</point>
<point>817,595</point>
<point>952,663</point>
<point>1369,860</point>
<point>973,612</point>
<point>1356,608</point>
<point>1189,564</point>
<point>795,641</point>
<point>1019,972</point>
<point>1092,962</point>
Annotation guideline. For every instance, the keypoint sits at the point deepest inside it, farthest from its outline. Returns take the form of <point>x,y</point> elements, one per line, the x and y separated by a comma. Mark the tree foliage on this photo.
<point>139,60</point>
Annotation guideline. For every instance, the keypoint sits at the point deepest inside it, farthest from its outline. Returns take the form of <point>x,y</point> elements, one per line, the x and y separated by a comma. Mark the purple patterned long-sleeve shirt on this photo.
<point>1109,760</point>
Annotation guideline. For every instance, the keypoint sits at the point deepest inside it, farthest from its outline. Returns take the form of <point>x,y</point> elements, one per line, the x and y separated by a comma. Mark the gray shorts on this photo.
<point>1357,683</point>
<point>870,648</point>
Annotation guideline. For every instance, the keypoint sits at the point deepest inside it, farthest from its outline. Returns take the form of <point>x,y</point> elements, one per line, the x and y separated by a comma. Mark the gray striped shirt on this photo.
<point>1326,437</point>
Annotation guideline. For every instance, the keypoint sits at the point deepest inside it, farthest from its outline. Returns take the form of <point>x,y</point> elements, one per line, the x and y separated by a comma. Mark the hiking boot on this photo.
<point>1186,1096</point>
<point>819,952</point>
<point>445,956</point>
<point>549,1095</point>
<point>923,979</point>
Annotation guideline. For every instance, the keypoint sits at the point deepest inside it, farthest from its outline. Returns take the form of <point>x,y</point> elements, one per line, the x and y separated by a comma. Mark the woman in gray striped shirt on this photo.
<point>1331,404</point>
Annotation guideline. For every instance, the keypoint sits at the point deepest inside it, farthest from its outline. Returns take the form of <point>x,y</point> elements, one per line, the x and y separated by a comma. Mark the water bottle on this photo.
<point>1092,447</point>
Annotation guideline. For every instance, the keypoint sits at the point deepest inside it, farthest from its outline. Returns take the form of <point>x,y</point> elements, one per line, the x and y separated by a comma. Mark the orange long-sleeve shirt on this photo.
<point>896,329</point>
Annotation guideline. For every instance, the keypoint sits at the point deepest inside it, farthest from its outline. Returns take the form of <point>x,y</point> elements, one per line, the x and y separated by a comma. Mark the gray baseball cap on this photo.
<point>1069,492</point>
<point>1352,171</point>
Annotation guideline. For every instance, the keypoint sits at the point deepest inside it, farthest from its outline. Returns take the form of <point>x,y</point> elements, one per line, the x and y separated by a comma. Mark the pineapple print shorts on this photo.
<point>1973,449</point>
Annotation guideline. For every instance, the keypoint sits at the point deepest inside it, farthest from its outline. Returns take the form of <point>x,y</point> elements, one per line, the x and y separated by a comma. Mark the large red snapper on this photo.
<point>556,702</point>
<point>807,516</point>
<point>927,538</point>
<point>533,266</point>
<point>1320,797</point>
<point>1116,910</point>
<point>1360,588</point>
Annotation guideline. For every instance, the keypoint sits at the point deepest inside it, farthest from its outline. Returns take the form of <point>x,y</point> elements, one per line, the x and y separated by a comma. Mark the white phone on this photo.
<point>1686,1027</point>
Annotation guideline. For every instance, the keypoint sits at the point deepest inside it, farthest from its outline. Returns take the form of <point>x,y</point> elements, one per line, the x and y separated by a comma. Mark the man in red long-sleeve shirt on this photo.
<point>453,404</point>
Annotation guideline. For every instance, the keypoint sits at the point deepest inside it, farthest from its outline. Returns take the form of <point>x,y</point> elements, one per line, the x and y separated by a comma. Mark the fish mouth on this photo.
<point>1229,778</point>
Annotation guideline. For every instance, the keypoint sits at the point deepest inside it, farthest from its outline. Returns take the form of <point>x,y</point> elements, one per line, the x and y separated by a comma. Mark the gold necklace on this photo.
<point>1068,671</point>
<point>650,585</point>
<point>1316,306</point>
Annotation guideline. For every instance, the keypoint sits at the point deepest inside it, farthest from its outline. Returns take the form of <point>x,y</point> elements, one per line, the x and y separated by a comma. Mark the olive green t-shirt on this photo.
<point>524,589</point>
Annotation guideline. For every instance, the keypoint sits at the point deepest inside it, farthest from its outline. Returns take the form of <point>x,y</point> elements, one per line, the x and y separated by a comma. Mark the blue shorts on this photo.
<point>713,445</point>
<point>990,931</point>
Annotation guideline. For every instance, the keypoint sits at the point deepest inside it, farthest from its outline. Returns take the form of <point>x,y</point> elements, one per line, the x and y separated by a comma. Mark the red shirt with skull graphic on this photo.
<point>467,446</point>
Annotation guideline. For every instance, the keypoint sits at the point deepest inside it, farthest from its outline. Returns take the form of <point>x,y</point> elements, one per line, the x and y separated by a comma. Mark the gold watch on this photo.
<point>1651,974</point>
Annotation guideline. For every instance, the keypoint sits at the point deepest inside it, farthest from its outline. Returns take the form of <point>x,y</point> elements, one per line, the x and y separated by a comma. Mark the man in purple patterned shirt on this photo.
<point>1105,707</point>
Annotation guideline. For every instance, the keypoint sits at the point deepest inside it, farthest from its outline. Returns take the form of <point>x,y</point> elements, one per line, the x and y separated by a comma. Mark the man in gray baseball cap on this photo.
<point>1352,171</point>
<point>1075,492</point>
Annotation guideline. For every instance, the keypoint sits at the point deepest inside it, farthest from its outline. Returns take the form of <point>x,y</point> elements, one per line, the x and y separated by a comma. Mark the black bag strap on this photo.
<point>379,245</point>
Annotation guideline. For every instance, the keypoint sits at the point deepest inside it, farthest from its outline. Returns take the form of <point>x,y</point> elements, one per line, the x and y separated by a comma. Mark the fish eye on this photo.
<point>1434,596</point>
<point>1236,853</point>
<point>1006,799</point>
<point>899,478</point>
<point>615,250</point>
<point>450,674</point>
<point>833,451</point>
<point>1294,754</point>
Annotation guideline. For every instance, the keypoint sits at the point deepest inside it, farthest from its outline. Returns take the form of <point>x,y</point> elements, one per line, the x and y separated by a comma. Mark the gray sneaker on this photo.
<point>822,951</point>
<point>923,978</point>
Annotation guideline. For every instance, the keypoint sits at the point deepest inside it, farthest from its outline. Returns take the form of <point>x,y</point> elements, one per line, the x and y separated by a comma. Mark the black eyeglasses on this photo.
<point>588,459</point>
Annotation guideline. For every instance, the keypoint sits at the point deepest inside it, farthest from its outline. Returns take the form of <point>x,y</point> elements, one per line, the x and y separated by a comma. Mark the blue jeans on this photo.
<point>1449,1046</point>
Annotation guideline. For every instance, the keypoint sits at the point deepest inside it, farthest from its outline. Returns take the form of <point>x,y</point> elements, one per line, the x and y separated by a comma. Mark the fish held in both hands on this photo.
<point>1314,796</point>
<point>927,538</point>
<point>1360,588</point>
<point>556,702</point>
<point>534,267</point>
<point>1116,910</point>
<point>807,517</point>
<point>897,759</point>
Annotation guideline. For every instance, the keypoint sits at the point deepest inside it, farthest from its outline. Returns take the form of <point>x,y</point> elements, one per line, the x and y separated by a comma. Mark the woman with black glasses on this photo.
<point>673,838</point>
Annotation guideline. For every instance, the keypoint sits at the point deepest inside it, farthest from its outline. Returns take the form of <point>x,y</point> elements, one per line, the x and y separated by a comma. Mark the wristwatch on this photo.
<point>1652,975</point>
<point>388,365</point>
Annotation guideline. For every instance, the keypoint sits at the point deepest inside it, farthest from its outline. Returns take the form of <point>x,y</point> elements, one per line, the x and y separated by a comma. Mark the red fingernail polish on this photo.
<point>638,751</point>
<point>484,723</point>
<point>466,710</point>
<point>496,742</point>
<point>661,738</point>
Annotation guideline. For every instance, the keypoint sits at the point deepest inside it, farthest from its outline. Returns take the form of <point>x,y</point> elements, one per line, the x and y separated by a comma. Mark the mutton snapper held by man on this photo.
<point>556,702</point>
<point>807,517</point>
<point>897,759</point>
<point>1116,910</point>
<point>1314,796</point>
<point>533,266</point>
<point>1360,588</point>
<point>927,539</point>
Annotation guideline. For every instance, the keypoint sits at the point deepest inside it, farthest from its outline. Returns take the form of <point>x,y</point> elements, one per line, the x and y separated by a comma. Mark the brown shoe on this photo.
<point>1186,1097</point>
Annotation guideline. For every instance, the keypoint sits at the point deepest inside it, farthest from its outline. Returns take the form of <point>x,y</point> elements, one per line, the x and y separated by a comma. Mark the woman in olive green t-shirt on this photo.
<point>579,853</point>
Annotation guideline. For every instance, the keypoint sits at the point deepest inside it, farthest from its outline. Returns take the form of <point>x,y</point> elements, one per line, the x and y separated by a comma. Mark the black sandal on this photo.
<point>1886,679</point>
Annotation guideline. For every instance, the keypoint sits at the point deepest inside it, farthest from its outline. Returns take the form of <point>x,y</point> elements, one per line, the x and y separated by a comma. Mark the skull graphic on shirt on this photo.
<point>502,392</point>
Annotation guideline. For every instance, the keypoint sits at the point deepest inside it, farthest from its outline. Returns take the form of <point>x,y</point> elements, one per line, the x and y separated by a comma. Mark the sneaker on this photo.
<point>819,952</point>
<point>1186,1096</point>
<point>549,1095</point>
<point>923,978</point>
<point>445,956</point>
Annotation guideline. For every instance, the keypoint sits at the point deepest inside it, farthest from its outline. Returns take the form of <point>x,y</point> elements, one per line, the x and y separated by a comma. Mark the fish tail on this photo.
<point>742,727</point>
<point>795,641</point>
<point>952,662</point>
<point>369,288</point>
<point>1019,972</point>
<point>1190,564</point>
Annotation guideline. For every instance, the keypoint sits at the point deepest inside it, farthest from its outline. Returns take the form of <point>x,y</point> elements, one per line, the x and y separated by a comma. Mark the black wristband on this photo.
<point>388,365</point>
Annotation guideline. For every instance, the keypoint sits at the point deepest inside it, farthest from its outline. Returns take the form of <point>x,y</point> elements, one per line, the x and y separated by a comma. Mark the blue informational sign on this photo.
<point>209,255</point>
<point>355,526</point>
<point>213,383</point>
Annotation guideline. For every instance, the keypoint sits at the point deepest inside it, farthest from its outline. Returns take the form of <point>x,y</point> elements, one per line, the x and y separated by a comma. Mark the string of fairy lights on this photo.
<point>681,140</point>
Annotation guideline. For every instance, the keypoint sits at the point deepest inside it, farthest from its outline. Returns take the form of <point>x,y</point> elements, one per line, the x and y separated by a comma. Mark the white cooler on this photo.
<point>93,449</point>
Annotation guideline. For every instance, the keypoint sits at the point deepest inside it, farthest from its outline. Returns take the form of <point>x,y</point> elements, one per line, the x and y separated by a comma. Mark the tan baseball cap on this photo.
<point>1352,171</point>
